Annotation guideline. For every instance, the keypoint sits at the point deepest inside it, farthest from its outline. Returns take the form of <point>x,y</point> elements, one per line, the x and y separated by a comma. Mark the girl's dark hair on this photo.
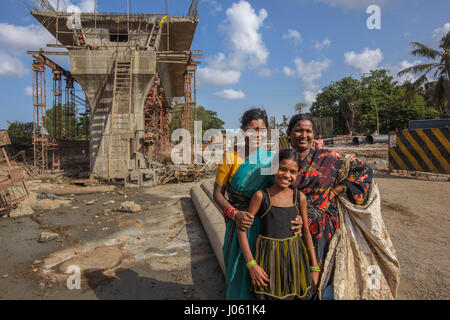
<point>289,154</point>
<point>297,118</point>
<point>253,114</point>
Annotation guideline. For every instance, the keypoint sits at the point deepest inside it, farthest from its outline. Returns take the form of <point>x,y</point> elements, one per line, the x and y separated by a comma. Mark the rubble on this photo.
<point>48,236</point>
<point>13,188</point>
<point>77,190</point>
<point>130,207</point>
<point>31,204</point>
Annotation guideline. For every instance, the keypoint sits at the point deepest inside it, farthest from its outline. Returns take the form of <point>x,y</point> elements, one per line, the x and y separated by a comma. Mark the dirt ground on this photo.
<point>163,253</point>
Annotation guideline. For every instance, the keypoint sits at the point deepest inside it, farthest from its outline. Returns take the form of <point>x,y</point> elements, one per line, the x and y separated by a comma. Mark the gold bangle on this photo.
<point>311,248</point>
<point>317,268</point>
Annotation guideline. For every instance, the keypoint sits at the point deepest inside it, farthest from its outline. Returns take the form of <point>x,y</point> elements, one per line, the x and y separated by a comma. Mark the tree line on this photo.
<point>378,104</point>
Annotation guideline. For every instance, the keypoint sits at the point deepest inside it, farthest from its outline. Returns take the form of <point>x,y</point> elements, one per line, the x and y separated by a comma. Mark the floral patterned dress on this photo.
<point>317,176</point>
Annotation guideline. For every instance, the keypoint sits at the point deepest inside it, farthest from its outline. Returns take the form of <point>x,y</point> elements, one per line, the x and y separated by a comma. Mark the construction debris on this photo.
<point>78,190</point>
<point>130,207</point>
<point>13,188</point>
<point>86,182</point>
<point>47,236</point>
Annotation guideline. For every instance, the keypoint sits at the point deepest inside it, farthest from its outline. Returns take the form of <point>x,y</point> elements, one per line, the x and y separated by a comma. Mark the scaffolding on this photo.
<point>40,136</point>
<point>156,121</point>
<point>47,141</point>
<point>135,32</point>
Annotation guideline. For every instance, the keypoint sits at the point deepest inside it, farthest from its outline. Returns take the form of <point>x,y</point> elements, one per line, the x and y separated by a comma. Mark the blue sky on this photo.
<point>263,53</point>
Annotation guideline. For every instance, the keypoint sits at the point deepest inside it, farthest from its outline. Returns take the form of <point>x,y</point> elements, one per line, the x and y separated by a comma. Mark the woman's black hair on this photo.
<point>254,114</point>
<point>289,154</point>
<point>297,118</point>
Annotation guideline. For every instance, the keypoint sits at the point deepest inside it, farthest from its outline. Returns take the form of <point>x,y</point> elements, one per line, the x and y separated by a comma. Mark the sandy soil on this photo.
<point>416,214</point>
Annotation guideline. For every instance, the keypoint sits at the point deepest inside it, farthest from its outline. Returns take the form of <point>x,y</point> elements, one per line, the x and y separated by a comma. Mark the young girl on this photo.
<point>284,268</point>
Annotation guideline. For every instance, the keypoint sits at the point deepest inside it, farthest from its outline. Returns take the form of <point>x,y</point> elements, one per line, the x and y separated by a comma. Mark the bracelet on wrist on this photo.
<point>230,212</point>
<point>313,268</point>
<point>251,263</point>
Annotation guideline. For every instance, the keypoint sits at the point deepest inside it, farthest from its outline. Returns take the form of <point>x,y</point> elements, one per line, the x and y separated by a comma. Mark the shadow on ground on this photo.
<point>206,281</point>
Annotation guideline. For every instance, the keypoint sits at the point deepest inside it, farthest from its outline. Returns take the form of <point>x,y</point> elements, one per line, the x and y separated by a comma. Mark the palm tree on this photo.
<point>441,68</point>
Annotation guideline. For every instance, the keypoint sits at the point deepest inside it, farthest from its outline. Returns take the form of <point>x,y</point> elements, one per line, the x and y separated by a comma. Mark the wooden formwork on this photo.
<point>13,188</point>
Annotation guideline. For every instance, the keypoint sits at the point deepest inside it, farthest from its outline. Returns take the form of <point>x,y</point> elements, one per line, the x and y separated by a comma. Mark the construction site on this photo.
<point>132,70</point>
<point>113,205</point>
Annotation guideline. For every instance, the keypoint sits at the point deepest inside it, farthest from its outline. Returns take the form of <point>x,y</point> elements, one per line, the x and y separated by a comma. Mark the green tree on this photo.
<point>340,101</point>
<point>377,88</point>
<point>440,66</point>
<point>66,124</point>
<point>300,107</point>
<point>21,136</point>
<point>403,107</point>
<point>82,130</point>
<point>209,119</point>
<point>376,103</point>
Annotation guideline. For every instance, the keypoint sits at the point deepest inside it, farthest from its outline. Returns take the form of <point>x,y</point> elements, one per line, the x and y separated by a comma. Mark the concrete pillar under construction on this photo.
<point>114,58</point>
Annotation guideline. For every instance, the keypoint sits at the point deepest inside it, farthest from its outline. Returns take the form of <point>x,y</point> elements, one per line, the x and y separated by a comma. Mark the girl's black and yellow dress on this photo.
<point>281,253</point>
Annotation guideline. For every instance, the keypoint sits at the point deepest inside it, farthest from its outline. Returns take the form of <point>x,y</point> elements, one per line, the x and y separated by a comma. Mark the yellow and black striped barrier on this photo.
<point>284,143</point>
<point>425,150</point>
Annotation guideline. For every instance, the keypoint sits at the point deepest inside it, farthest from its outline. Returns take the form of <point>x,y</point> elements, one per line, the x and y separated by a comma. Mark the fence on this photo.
<point>324,126</point>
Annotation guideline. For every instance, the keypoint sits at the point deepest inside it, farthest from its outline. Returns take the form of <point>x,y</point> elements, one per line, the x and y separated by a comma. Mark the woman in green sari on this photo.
<point>239,178</point>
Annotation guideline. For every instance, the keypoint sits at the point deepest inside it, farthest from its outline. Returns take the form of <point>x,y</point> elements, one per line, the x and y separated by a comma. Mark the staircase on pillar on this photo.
<point>119,150</point>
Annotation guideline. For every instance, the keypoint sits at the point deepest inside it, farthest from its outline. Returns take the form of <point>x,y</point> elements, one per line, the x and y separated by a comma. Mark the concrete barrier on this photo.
<point>211,217</point>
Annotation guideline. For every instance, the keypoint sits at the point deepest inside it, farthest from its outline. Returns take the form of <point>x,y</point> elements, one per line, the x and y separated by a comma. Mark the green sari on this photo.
<point>245,182</point>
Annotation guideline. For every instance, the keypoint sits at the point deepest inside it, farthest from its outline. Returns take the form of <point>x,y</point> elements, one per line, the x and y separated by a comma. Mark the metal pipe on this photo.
<point>382,138</point>
<point>359,140</point>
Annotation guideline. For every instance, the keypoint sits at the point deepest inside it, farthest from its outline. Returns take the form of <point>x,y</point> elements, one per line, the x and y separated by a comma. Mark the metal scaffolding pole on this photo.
<point>40,137</point>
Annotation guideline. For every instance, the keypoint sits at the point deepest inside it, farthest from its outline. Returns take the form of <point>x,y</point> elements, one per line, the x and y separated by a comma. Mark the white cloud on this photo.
<point>288,72</point>
<point>294,35</point>
<point>11,66</point>
<point>219,72</point>
<point>309,73</point>
<point>403,65</point>
<point>230,94</point>
<point>217,77</point>
<point>22,38</point>
<point>265,72</point>
<point>309,95</point>
<point>215,6</point>
<point>439,32</point>
<point>364,61</point>
<point>29,91</point>
<point>75,6</point>
<point>243,24</point>
<point>352,3</point>
<point>247,48</point>
<point>319,45</point>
